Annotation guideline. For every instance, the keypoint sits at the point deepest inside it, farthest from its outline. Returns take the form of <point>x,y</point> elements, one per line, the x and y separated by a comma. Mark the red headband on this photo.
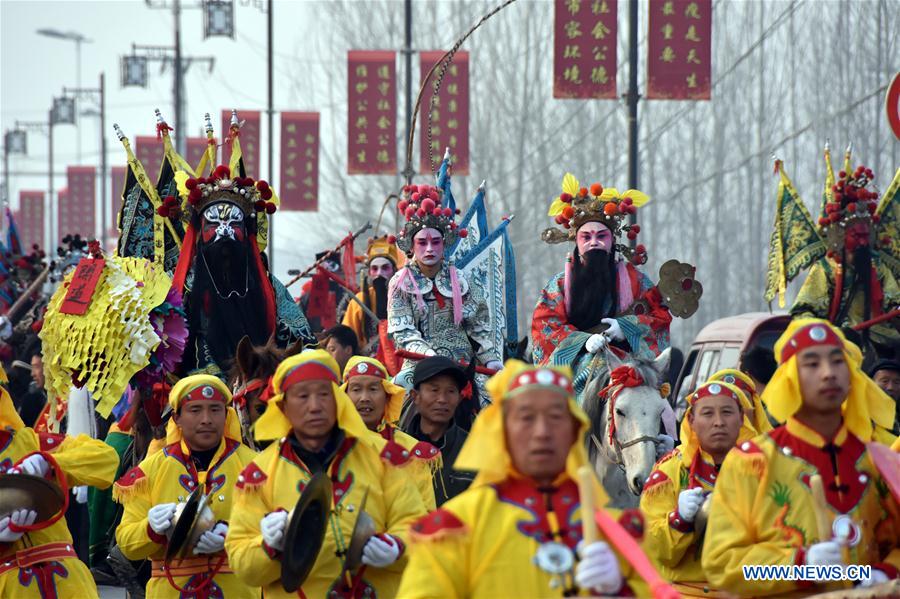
<point>308,371</point>
<point>364,369</point>
<point>543,377</point>
<point>811,335</point>
<point>711,390</point>
<point>739,383</point>
<point>205,392</point>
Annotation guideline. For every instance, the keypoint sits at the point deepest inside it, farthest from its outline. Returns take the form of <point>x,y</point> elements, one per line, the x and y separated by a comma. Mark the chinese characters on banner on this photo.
<point>117,173</point>
<point>194,148</point>
<point>371,113</point>
<point>149,151</point>
<point>31,218</point>
<point>76,211</point>
<point>298,187</point>
<point>679,48</point>
<point>584,48</point>
<point>249,140</point>
<point>450,117</point>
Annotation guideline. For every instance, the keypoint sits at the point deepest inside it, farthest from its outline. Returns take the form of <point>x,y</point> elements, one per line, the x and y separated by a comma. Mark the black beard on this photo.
<point>861,281</point>
<point>219,269</point>
<point>593,289</point>
<point>380,285</point>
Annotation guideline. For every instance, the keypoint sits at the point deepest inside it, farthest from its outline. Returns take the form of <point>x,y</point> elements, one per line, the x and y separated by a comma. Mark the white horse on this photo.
<point>624,458</point>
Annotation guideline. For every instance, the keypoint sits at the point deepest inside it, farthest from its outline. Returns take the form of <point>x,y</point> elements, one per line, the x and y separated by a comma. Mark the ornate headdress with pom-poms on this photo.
<point>422,207</point>
<point>848,203</point>
<point>248,195</point>
<point>578,205</point>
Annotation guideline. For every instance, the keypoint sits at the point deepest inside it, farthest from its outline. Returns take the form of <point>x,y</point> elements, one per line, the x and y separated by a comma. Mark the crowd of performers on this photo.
<point>176,423</point>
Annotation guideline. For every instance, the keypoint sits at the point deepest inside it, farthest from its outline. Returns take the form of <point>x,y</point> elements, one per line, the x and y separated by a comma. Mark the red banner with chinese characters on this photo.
<point>584,48</point>
<point>194,148</point>
<point>82,286</point>
<point>30,219</point>
<point>249,140</point>
<point>371,113</point>
<point>149,151</point>
<point>450,117</point>
<point>117,174</point>
<point>298,187</point>
<point>679,50</point>
<point>76,213</point>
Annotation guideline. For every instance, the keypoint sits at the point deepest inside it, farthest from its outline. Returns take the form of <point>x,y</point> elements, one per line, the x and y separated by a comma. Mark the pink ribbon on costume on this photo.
<point>457,296</point>
<point>399,282</point>
<point>567,284</point>
<point>626,296</point>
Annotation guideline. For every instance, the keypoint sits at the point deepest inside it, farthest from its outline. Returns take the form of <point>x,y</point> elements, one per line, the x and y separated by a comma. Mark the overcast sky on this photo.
<point>35,68</point>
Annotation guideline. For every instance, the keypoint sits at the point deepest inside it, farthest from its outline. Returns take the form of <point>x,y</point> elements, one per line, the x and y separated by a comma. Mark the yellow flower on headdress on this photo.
<point>638,198</point>
<point>570,186</point>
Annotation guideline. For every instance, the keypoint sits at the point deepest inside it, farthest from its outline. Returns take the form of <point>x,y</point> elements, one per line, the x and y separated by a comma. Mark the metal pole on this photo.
<point>5,185</point>
<point>52,207</point>
<point>78,85</point>
<point>179,83</point>
<point>104,203</point>
<point>409,171</point>
<point>633,100</point>
<point>271,116</point>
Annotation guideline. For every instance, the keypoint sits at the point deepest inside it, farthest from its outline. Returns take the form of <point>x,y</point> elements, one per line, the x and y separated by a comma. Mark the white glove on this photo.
<point>689,503</point>
<point>35,465</point>
<point>827,553</point>
<point>595,343</point>
<point>212,541</point>
<point>23,517</point>
<point>614,331</point>
<point>599,569</point>
<point>6,329</point>
<point>381,551</point>
<point>81,494</point>
<point>664,445</point>
<point>877,577</point>
<point>272,527</point>
<point>495,365</point>
<point>160,517</point>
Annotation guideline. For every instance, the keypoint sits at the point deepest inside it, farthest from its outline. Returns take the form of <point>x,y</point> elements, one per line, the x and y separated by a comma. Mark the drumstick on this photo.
<point>586,492</point>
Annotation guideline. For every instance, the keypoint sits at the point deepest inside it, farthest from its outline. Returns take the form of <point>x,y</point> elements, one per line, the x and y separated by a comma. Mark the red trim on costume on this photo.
<point>677,522</point>
<point>437,521</point>
<point>50,441</point>
<point>308,371</point>
<point>632,520</point>
<point>394,453</point>
<point>365,369</point>
<point>748,447</point>
<point>811,335</point>
<point>892,572</point>
<point>156,537</point>
<point>131,477</point>
<point>656,477</point>
<point>251,476</point>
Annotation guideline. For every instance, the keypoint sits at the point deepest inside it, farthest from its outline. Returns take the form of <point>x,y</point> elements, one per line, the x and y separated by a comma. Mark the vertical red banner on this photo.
<point>31,218</point>
<point>679,50</point>
<point>76,214</point>
<point>450,116</point>
<point>117,176</point>
<point>298,187</point>
<point>584,48</point>
<point>249,140</point>
<point>149,151</point>
<point>194,148</point>
<point>371,112</point>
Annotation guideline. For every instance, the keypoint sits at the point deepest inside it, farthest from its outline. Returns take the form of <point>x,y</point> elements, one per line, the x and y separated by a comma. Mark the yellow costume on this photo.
<point>763,512</point>
<point>425,458</point>
<point>671,542</point>
<point>42,563</point>
<point>354,317</point>
<point>361,463</point>
<point>482,543</point>
<point>170,476</point>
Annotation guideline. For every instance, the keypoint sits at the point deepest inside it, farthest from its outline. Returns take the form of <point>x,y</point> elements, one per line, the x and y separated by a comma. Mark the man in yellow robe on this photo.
<point>753,408</point>
<point>203,449</point>
<point>763,511</point>
<point>683,479</point>
<point>382,261</point>
<point>37,560</point>
<point>379,401</point>
<point>516,530</point>
<point>317,430</point>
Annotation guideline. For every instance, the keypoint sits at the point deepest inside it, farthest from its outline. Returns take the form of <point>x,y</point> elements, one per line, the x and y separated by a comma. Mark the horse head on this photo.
<point>626,417</point>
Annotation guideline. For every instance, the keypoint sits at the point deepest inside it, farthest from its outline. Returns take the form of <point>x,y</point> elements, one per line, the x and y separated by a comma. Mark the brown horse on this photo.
<point>249,377</point>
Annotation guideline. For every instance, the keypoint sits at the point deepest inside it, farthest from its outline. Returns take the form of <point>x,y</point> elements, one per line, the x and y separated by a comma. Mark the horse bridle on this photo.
<point>618,446</point>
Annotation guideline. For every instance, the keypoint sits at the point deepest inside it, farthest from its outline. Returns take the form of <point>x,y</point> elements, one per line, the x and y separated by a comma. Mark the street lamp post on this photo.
<point>72,36</point>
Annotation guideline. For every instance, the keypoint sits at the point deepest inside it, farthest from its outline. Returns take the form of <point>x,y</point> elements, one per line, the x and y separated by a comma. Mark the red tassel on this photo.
<point>162,129</point>
<point>184,259</point>
<point>268,291</point>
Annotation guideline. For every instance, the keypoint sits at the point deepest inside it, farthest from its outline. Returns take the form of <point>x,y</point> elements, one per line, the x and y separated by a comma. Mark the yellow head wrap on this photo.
<point>316,364</point>
<point>750,399</point>
<point>9,417</point>
<point>201,386</point>
<point>690,442</point>
<point>395,393</point>
<point>485,450</point>
<point>865,402</point>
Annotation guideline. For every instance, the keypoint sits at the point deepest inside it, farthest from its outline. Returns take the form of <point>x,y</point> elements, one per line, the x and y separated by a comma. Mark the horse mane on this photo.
<point>258,361</point>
